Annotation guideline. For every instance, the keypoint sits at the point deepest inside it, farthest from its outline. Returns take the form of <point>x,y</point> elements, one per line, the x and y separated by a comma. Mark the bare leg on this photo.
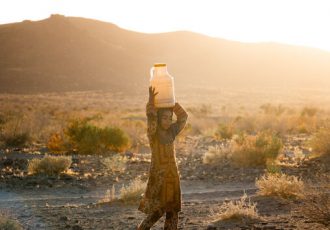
<point>150,220</point>
<point>171,221</point>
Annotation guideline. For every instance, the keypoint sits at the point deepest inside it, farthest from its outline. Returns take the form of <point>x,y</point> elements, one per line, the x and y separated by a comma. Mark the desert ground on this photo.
<point>88,194</point>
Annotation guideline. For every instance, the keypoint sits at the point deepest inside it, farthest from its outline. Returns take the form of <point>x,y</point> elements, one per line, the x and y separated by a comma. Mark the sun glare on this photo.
<point>298,22</point>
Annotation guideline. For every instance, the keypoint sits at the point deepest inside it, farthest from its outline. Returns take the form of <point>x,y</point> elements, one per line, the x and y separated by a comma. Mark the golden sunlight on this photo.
<point>297,22</point>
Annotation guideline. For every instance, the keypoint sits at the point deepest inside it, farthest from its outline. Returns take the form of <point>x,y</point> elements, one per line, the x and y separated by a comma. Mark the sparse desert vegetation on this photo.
<point>49,165</point>
<point>229,142</point>
<point>74,149</point>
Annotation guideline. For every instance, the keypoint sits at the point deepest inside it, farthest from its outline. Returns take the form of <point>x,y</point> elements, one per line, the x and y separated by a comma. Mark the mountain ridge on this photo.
<point>71,53</point>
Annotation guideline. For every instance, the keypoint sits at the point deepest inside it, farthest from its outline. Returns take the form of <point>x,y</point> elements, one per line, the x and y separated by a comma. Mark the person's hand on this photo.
<point>152,95</point>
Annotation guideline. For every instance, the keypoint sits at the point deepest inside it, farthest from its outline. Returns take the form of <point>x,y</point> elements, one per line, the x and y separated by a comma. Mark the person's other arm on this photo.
<point>181,116</point>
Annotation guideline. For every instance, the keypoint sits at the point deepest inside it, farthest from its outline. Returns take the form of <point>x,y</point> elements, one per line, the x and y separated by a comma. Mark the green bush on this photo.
<point>90,139</point>
<point>49,165</point>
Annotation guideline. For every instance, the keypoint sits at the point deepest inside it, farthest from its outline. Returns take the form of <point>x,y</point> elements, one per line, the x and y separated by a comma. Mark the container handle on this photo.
<point>152,70</point>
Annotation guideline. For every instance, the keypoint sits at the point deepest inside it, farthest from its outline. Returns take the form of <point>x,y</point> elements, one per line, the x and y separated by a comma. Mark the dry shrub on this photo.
<point>256,150</point>
<point>16,139</point>
<point>279,125</point>
<point>247,124</point>
<point>280,185</point>
<point>241,209</point>
<point>316,202</point>
<point>14,131</point>
<point>309,111</point>
<point>9,224</point>
<point>246,150</point>
<point>49,165</point>
<point>270,109</point>
<point>217,154</point>
<point>320,142</point>
<point>57,143</point>
<point>116,163</point>
<point>224,131</point>
<point>132,193</point>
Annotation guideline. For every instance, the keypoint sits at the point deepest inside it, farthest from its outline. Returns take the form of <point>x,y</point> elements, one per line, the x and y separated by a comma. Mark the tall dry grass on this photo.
<point>242,209</point>
<point>218,154</point>
<point>280,185</point>
<point>109,196</point>
<point>133,191</point>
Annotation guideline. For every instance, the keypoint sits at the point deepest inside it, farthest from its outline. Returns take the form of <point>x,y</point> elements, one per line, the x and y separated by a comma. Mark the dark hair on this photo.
<point>161,111</point>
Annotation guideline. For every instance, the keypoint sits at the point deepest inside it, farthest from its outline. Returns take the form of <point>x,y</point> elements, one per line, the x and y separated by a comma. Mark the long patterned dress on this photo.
<point>163,190</point>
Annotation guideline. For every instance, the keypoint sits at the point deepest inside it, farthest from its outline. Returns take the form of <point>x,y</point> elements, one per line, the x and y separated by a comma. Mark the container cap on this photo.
<point>159,65</point>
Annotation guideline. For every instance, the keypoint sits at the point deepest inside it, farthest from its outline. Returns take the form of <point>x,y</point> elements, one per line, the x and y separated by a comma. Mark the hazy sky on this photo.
<point>300,22</point>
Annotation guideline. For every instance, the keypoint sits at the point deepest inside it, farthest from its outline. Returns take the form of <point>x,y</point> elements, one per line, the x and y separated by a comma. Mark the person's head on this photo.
<point>165,116</point>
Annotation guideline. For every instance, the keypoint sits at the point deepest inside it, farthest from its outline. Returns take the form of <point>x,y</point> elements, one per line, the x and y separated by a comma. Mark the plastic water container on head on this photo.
<point>163,83</point>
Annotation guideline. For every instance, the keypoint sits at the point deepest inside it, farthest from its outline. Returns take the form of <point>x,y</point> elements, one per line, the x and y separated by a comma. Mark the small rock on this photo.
<point>211,227</point>
<point>64,218</point>
<point>8,162</point>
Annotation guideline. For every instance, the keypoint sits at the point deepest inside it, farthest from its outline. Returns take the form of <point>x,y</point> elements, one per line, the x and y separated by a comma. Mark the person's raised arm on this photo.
<point>181,116</point>
<point>151,113</point>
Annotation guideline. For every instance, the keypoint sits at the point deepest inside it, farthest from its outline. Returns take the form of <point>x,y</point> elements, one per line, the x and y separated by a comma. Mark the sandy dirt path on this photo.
<point>49,209</point>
